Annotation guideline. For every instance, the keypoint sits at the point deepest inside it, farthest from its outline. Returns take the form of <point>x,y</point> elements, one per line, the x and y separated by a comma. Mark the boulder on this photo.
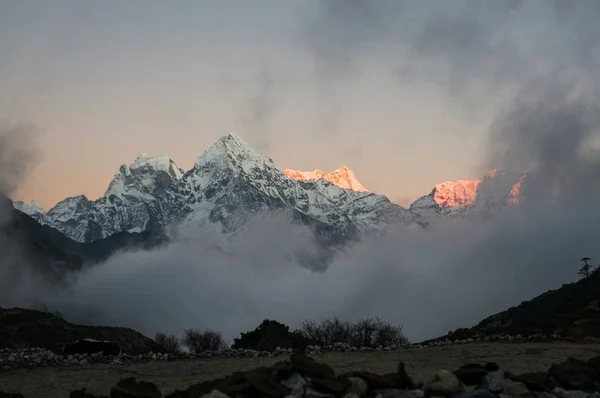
<point>575,374</point>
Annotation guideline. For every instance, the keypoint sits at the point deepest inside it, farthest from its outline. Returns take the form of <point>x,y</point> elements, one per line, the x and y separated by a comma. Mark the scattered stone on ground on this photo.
<point>302,377</point>
<point>38,357</point>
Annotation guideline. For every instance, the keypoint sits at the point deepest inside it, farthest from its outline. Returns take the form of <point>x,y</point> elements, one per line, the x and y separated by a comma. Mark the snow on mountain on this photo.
<point>342,177</point>
<point>228,185</point>
<point>140,177</point>
<point>495,191</point>
<point>131,203</point>
<point>31,209</point>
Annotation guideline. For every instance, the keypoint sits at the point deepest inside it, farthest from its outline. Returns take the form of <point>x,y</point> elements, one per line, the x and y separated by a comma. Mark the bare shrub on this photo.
<point>198,341</point>
<point>329,330</point>
<point>387,334</point>
<point>168,342</point>
<point>366,332</point>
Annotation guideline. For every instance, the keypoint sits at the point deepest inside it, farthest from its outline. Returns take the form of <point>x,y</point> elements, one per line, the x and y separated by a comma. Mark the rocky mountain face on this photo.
<point>24,241</point>
<point>228,185</point>
<point>493,192</point>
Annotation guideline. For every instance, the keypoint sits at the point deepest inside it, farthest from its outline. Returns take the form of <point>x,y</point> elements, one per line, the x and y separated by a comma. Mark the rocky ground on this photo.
<point>99,375</point>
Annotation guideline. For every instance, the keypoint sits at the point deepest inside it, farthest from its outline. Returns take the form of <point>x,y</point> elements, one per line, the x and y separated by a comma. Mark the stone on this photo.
<point>562,393</point>
<point>476,393</point>
<point>310,367</point>
<point>296,383</point>
<point>535,381</point>
<point>335,386</point>
<point>393,393</point>
<point>471,374</point>
<point>574,374</point>
<point>442,383</point>
<point>515,388</point>
<point>493,381</point>
<point>215,394</point>
<point>358,386</point>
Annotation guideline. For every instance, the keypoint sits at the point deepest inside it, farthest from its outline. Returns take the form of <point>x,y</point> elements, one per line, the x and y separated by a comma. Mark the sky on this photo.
<point>402,92</point>
<point>406,93</point>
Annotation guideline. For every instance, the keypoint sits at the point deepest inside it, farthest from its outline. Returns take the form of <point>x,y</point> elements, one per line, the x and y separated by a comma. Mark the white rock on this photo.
<point>215,394</point>
<point>358,386</point>
<point>443,383</point>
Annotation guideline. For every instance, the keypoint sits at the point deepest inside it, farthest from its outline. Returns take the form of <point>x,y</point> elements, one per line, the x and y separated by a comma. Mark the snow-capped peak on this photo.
<point>343,177</point>
<point>33,207</point>
<point>232,150</point>
<point>140,176</point>
<point>157,163</point>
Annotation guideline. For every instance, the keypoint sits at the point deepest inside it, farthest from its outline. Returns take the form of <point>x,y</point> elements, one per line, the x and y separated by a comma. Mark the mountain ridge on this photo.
<point>229,183</point>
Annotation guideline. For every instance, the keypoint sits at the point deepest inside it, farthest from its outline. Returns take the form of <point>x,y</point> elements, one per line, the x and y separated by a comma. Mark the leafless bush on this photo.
<point>329,331</point>
<point>387,334</point>
<point>168,342</point>
<point>366,332</point>
<point>198,341</point>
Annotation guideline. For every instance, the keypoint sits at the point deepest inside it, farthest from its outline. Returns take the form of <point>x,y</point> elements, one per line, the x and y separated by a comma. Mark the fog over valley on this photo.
<point>248,242</point>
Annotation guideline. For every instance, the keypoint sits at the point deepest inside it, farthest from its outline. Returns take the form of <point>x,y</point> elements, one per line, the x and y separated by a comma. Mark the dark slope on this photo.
<point>23,239</point>
<point>22,328</point>
<point>571,311</point>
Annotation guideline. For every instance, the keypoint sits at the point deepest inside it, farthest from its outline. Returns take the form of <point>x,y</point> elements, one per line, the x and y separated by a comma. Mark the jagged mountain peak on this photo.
<point>143,176</point>
<point>154,163</point>
<point>232,150</point>
<point>229,184</point>
<point>497,189</point>
<point>343,177</point>
<point>31,208</point>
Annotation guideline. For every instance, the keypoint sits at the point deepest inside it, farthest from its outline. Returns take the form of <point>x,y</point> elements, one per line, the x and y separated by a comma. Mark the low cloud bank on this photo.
<point>428,281</point>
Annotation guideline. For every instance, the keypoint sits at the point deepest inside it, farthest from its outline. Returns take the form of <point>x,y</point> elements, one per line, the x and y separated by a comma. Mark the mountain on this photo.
<point>25,328</point>
<point>23,240</point>
<point>343,177</point>
<point>496,190</point>
<point>52,253</point>
<point>571,311</point>
<point>228,185</point>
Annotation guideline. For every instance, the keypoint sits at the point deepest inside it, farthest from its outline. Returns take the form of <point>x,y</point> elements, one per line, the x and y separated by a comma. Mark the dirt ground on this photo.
<point>421,363</point>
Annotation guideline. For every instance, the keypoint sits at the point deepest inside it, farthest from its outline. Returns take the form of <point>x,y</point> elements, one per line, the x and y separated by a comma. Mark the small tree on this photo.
<point>168,342</point>
<point>198,341</point>
<point>585,269</point>
<point>267,329</point>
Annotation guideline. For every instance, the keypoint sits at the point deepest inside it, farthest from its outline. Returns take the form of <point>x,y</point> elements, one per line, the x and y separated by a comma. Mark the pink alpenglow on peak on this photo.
<point>456,193</point>
<point>342,177</point>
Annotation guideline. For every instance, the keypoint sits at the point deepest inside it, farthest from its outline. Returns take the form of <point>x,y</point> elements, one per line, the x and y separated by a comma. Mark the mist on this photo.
<point>19,155</point>
<point>526,68</point>
<point>428,281</point>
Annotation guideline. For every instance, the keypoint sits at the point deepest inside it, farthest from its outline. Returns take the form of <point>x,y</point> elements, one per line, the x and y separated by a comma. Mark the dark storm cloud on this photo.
<point>468,47</point>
